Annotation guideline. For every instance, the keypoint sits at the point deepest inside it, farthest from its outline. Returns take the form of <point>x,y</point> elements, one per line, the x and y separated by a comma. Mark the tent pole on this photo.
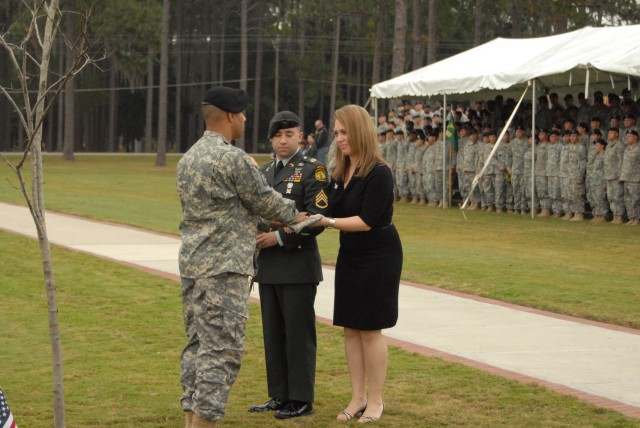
<point>444,153</point>
<point>586,85</point>
<point>533,150</point>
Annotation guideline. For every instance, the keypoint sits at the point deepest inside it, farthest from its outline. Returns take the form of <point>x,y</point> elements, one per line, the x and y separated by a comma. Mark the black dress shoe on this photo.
<point>272,404</point>
<point>295,409</point>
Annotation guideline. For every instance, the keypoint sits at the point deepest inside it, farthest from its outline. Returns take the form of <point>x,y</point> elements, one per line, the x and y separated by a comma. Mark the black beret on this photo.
<point>554,132</point>
<point>420,134</point>
<point>227,99</point>
<point>615,129</point>
<point>519,128</point>
<point>596,132</point>
<point>632,131</point>
<point>583,125</point>
<point>283,120</point>
<point>629,116</point>
<point>600,141</point>
<point>573,131</point>
<point>596,119</point>
<point>615,116</point>
<point>383,132</point>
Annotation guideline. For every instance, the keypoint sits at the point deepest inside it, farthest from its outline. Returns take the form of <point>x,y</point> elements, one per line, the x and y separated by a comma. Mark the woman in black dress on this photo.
<point>369,260</point>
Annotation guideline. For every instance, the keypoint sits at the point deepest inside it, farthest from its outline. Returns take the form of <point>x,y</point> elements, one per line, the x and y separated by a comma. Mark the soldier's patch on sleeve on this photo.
<point>321,174</point>
<point>322,200</point>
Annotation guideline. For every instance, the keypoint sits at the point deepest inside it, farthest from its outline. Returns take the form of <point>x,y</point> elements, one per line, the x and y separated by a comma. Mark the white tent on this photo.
<point>599,57</point>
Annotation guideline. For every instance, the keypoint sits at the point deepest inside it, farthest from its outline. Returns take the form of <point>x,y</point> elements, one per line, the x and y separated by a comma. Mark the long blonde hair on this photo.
<point>361,133</point>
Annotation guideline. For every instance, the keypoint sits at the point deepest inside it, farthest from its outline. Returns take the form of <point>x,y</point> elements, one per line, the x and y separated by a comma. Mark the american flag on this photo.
<point>6,418</point>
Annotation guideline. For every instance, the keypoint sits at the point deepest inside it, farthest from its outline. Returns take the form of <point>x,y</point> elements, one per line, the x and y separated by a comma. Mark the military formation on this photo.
<point>582,158</point>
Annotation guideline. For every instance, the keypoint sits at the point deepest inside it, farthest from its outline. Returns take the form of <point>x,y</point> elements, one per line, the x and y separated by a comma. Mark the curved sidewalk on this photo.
<point>597,362</point>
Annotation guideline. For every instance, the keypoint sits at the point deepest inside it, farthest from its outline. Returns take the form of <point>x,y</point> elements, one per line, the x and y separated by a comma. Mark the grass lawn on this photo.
<point>581,269</point>
<point>122,336</point>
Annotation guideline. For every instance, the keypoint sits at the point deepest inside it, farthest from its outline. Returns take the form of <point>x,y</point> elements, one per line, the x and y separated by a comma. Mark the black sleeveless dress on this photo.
<point>369,263</point>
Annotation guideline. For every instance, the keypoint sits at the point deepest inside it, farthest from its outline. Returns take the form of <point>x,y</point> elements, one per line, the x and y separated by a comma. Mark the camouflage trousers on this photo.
<point>413,183</point>
<point>527,194</point>
<point>615,196</point>
<point>519,191</point>
<point>465,186</point>
<point>501,188</point>
<point>488,190</point>
<point>438,185</point>
<point>598,197</point>
<point>215,314</point>
<point>541,192</point>
<point>572,195</point>
<point>553,190</point>
<point>632,199</point>
<point>402,181</point>
<point>430,186</point>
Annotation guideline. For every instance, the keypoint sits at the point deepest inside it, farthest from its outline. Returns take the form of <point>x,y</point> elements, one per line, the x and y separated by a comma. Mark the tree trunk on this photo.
<point>244,56</point>
<point>433,32</point>
<point>161,158</point>
<point>148,116</point>
<point>477,27</point>
<point>516,19</point>
<point>37,211</point>
<point>112,133</point>
<point>301,45</point>
<point>258,84</point>
<point>178,99</point>
<point>334,73</point>
<point>377,53</point>
<point>418,47</point>
<point>69,98</point>
<point>399,39</point>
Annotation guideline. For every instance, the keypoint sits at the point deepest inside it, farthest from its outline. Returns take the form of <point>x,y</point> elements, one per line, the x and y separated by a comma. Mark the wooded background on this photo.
<point>308,56</point>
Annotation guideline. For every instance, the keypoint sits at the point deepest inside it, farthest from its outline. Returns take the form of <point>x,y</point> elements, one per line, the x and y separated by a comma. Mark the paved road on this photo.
<point>600,363</point>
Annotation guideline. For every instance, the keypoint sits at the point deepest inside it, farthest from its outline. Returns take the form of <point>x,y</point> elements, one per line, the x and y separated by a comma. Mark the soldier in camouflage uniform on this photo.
<point>630,175</point>
<point>518,147</point>
<point>554,149</point>
<point>540,173</point>
<point>411,166</point>
<point>443,167</point>
<point>527,176</point>
<point>488,178</point>
<point>468,166</point>
<point>502,185</point>
<point>391,154</point>
<point>591,155</point>
<point>402,179</point>
<point>421,150</point>
<point>223,195</point>
<point>598,183</point>
<point>576,166</point>
<point>429,162</point>
<point>612,166</point>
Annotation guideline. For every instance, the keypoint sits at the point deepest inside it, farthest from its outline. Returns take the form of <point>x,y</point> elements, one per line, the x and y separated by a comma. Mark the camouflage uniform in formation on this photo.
<point>598,186</point>
<point>541,177</point>
<point>612,165</point>
<point>222,196</point>
<point>630,174</point>
<point>554,148</point>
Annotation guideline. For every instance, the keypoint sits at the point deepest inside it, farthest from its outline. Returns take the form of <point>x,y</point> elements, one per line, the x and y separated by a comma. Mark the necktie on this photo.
<point>279,167</point>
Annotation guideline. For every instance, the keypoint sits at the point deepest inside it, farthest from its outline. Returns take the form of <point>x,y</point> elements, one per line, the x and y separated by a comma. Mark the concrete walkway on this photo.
<point>597,362</point>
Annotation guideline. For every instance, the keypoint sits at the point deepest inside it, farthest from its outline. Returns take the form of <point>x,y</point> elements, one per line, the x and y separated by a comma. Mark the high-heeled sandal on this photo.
<point>348,416</point>
<point>364,419</point>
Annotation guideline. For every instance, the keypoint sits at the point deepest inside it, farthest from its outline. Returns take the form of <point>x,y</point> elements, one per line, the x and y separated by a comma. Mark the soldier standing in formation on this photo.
<point>630,176</point>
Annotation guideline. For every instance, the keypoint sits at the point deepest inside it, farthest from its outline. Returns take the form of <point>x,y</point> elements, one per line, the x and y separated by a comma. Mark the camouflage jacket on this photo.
<point>222,196</point>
